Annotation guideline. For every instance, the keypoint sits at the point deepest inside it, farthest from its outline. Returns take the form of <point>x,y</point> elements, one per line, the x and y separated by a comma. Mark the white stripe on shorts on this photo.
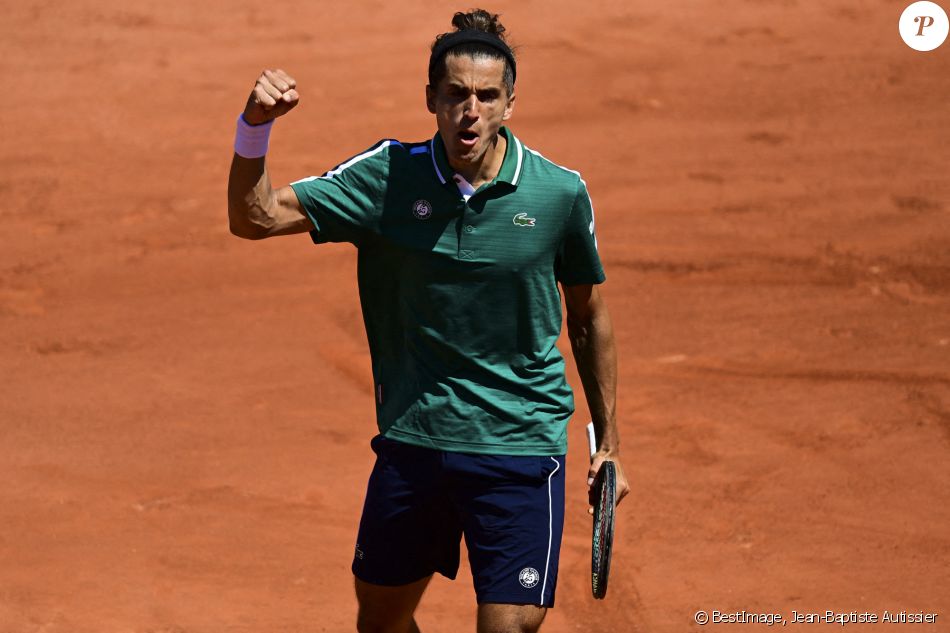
<point>547,563</point>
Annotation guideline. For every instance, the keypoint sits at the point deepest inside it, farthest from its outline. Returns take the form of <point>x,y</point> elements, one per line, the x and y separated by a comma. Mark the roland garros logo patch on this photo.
<point>421,209</point>
<point>529,577</point>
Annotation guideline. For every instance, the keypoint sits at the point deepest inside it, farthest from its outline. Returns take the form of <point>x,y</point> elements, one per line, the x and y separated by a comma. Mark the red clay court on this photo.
<point>185,416</point>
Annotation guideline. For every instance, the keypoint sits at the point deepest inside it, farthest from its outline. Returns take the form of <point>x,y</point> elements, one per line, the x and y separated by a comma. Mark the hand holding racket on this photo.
<point>606,490</point>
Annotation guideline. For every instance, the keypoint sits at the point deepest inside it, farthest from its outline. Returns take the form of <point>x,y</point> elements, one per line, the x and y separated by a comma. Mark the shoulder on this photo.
<point>375,162</point>
<point>377,155</point>
<point>374,169</point>
<point>390,152</point>
<point>543,171</point>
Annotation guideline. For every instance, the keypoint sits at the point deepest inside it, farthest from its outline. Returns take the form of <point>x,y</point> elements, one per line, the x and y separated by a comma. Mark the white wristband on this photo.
<point>250,141</point>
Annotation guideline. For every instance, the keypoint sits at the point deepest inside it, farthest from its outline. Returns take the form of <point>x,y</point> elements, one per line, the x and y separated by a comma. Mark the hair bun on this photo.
<point>479,20</point>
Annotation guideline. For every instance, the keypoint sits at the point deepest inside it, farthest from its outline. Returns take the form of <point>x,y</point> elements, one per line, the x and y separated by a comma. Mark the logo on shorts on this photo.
<point>522,219</point>
<point>359,552</point>
<point>422,209</point>
<point>529,577</point>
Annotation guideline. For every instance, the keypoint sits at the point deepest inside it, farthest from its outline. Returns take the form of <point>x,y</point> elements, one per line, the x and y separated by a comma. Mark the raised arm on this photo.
<point>592,340</point>
<point>255,209</point>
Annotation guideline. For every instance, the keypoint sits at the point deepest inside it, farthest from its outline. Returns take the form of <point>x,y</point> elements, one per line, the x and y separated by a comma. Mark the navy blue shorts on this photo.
<point>421,501</point>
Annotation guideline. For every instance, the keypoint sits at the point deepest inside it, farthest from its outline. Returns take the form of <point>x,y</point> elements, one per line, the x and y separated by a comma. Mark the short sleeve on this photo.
<point>345,203</point>
<point>577,259</point>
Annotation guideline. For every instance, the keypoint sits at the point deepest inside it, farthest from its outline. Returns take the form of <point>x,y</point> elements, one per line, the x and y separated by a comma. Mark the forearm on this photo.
<point>255,209</point>
<point>251,198</point>
<point>595,354</point>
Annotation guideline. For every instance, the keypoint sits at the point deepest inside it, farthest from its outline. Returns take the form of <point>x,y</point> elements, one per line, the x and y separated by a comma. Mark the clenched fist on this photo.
<point>274,95</point>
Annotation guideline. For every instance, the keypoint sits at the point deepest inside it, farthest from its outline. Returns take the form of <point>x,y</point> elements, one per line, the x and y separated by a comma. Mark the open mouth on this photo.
<point>468,137</point>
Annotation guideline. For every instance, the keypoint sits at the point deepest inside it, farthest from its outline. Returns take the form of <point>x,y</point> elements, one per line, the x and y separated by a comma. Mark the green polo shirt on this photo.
<point>460,298</point>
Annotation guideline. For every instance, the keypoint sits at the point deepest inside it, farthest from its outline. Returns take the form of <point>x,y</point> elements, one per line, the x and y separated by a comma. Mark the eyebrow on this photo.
<point>489,90</point>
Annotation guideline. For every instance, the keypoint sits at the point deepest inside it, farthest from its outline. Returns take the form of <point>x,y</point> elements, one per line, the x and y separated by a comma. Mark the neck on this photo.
<point>485,168</point>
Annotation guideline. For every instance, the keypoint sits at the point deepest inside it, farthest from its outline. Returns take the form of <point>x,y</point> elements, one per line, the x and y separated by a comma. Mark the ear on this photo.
<point>430,99</point>
<point>509,108</point>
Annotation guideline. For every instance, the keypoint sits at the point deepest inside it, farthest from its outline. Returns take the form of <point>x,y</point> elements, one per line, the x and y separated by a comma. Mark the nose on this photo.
<point>470,107</point>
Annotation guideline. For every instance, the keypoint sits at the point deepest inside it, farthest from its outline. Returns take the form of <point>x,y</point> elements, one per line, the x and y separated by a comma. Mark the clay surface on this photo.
<point>185,416</point>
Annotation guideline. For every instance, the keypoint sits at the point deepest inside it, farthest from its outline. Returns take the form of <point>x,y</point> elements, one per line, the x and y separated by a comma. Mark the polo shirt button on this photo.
<point>469,228</point>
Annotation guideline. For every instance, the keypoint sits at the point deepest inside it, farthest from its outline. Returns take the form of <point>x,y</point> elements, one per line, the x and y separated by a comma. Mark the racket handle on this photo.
<point>591,439</point>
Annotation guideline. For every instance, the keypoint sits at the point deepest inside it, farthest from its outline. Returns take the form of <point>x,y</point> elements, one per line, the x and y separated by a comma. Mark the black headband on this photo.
<point>471,36</point>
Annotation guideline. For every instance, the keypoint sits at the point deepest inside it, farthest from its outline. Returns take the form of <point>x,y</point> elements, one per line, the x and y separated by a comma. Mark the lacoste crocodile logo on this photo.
<point>522,219</point>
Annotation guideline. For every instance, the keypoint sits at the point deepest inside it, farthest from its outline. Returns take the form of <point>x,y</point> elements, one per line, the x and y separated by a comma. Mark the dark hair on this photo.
<point>474,20</point>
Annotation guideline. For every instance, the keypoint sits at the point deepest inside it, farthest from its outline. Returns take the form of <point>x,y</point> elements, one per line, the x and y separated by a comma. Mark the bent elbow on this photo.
<point>246,233</point>
<point>244,230</point>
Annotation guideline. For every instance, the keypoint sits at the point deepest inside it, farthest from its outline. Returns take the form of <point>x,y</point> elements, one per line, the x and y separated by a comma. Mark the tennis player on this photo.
<point>462,241</point>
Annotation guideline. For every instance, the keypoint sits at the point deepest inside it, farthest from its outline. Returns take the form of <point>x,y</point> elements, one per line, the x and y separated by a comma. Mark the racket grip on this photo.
<point>591,439</point>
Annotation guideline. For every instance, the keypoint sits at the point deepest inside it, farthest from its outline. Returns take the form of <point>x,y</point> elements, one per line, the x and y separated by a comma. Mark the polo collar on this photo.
<point>510,171</point>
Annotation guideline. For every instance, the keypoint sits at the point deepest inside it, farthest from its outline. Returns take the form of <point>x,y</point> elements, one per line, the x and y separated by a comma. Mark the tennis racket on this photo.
<point>605,500</point>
